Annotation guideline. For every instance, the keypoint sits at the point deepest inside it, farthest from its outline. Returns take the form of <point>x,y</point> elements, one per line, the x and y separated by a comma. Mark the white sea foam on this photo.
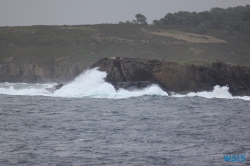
<point>91,84</point>
<point>218,92</point>
<point>24,89</point>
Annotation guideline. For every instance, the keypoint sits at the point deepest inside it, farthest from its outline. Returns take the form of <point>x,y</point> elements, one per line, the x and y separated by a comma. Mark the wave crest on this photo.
<point>91,84</point>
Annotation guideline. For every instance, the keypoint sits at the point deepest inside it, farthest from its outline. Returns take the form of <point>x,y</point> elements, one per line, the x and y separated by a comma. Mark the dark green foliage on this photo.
<point>141,19</point>
<point>230,19</point>
<point>202,28</point>
<point>156,22</point>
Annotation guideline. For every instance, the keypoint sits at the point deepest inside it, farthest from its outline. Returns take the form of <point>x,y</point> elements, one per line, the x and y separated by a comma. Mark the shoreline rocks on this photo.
<point>54,88</point>
<point>177,77</point>
<point>131,72</point>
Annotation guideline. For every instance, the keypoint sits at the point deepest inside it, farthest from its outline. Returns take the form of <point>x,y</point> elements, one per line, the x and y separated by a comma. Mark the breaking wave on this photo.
<point>91,84</point>
<point>218,92</point>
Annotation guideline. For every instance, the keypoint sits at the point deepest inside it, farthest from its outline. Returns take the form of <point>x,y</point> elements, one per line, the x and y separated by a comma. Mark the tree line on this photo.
<point>230,19</point>
<point>139,19</point>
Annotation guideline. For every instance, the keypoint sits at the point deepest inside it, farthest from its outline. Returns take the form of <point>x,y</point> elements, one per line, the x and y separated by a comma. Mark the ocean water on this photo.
<point>87,122</point>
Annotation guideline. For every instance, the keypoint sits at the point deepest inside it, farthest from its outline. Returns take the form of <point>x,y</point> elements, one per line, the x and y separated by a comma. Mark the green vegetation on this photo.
<point>140,19</point>
<point>78,44</point>
<point>168,39</point>
<point>231,20</point>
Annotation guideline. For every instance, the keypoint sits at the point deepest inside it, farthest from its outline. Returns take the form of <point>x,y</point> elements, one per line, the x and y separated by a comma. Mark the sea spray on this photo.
<point>90,83</point>
<point>24,89</point>
<point>218,92</point>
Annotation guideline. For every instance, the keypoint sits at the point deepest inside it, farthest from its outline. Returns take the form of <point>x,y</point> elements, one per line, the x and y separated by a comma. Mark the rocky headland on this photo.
<point>178,77</point>
<point>194,61</point>
<point>127,73</point>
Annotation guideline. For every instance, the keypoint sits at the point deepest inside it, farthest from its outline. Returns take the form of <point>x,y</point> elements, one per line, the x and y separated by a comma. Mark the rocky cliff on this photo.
<point>171,76</point>
<point>38,73</point>
<point>178,77</point>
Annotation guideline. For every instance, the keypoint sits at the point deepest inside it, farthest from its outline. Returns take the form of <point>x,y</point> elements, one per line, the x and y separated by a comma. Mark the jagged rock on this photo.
<point>124,69</point>
<point>180,78</point>
<point>132,85</point>
<point>54,88</point>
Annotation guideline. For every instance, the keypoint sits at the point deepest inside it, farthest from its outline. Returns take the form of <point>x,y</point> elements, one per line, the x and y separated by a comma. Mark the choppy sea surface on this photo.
<point>87,122</point>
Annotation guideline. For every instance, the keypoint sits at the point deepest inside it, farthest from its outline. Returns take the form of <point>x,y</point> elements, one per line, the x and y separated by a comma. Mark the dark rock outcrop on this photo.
<point>177,77</point>
<point>132,85</point>
<point>170,76</point>
<point>124,70</point>
<point>54,88</point>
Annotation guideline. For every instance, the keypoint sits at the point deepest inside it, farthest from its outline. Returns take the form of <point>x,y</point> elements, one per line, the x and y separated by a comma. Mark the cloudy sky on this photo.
<point>75,12</point>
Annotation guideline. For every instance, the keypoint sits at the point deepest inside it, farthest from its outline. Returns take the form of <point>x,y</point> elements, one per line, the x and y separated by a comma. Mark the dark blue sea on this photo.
<point>80,125</point>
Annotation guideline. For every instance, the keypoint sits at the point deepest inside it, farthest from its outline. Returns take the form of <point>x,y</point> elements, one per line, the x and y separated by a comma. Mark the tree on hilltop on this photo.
<point>141,19</point>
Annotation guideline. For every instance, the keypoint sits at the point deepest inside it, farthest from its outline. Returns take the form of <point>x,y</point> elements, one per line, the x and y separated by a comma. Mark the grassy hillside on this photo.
<point>88,43</point>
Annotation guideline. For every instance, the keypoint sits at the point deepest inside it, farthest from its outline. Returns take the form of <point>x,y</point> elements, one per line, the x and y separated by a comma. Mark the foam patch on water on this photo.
<point>24,89</point>
<point>218,92</point>
<point>89,84</point>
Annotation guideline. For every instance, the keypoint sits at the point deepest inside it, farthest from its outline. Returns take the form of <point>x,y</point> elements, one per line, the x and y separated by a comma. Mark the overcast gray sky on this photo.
<point>75,12</point>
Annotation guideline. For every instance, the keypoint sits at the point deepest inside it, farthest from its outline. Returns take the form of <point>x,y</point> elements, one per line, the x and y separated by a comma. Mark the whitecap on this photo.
<point>90,83</point>
<point>221,92</point>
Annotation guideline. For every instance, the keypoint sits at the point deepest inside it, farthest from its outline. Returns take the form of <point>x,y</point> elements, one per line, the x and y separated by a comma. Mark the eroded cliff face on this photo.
<point>171,76</point>
<point>38,73</point>
<point>181,78</point>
